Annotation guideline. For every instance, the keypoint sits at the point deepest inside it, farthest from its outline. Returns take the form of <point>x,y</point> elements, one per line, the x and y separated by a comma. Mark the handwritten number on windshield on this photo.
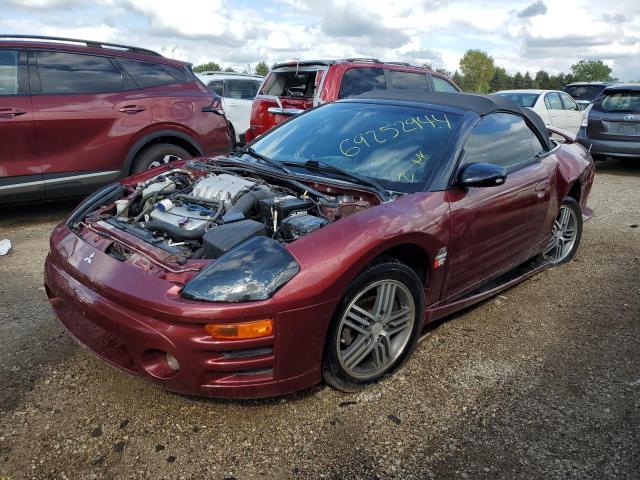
<point>349,152</point>
<point>389,132</point>
<point>409,175</point>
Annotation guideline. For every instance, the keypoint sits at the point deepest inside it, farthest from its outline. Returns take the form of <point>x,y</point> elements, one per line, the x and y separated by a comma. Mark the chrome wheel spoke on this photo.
<point>382,352</point>
<point>399,316</point>
<point>384,300</point>
<point>398,328</point>
<point>359,353</point>
<point>356,327</point>
<point>564,218</point>
<point>361,316</point>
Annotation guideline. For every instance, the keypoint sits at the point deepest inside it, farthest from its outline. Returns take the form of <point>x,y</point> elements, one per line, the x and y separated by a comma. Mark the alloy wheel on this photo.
<point>375,328</point>
<point>163,161</point>
<point>563,235</point>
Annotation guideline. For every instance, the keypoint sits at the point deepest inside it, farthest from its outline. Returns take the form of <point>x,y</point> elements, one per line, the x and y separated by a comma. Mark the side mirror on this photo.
<point>482,175</point>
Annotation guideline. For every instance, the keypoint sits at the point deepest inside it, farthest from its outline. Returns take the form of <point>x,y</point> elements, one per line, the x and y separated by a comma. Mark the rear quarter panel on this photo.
<point>181,109</point>
<point>574,165</point>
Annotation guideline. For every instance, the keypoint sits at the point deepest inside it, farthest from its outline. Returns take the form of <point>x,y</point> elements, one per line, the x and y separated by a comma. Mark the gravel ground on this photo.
<point>540,382</point>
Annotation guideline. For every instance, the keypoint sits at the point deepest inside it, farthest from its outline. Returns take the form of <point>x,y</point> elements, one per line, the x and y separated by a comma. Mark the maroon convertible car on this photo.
<point>322,248</point>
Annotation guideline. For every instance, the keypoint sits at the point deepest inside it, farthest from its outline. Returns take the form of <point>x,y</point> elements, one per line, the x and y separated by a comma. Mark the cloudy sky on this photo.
<point>519,35</point>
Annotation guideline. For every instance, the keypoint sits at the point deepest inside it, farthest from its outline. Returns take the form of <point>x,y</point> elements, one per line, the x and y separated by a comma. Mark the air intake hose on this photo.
<point>249,201</point>
<point>173,231</point>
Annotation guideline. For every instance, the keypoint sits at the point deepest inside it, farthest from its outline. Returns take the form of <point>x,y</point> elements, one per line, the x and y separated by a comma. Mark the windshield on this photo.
<point>621,102</point>
<point>522,99</point>
<point>394,145</point>
<point>584,92</point>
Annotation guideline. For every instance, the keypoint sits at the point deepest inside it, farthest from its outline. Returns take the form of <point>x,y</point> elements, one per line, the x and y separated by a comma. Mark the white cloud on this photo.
<point>520,35</point>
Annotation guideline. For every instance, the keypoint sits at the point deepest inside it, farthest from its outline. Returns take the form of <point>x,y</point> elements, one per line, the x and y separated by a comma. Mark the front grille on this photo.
<point>252,352</point>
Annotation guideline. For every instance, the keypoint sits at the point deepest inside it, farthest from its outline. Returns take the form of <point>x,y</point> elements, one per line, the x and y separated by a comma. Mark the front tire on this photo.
<point>157,155</point>
<point>375,328</point>
<point>565,234</point>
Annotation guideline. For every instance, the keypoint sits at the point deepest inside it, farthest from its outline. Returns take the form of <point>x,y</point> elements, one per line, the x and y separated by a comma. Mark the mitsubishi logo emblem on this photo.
<point>89,258</point>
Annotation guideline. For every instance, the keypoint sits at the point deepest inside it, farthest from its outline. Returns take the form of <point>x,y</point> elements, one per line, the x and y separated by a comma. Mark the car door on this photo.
<point>494,229</point>
<point>573,113</point>
<point>20,174</point>
<point>85,119</point>
<point>555,108</point>
<point>238,97</point>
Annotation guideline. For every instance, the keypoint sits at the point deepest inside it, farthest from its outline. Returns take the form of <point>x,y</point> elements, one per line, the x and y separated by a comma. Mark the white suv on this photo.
<point>237,91</point>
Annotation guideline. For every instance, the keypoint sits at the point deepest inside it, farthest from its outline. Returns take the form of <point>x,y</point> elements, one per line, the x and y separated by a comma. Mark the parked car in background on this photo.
<point>293,87</point>
<point>584,93</point>
<point>611,126</point>
<point>556,108</point>
<point>237,91</point>
<point>322,250</point>
<point>77,114</point>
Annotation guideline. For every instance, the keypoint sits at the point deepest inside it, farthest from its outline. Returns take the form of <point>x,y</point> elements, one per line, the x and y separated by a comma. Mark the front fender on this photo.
<point>333,256</point>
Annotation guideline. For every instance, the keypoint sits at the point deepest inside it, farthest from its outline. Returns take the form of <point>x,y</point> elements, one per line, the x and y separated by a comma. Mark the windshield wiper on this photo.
<point>269,161</point>
<point>319,166</point>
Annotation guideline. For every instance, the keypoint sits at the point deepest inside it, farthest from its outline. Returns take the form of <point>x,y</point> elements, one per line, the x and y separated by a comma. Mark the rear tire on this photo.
<point>565,234</point>
<point>157,155</point>
<point>375,327</point>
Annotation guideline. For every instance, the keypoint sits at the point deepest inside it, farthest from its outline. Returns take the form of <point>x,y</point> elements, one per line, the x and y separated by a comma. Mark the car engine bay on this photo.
<point>202,211</point>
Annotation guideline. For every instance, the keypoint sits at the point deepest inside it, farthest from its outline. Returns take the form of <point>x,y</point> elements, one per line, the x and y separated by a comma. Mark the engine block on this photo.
<point>225,187</point>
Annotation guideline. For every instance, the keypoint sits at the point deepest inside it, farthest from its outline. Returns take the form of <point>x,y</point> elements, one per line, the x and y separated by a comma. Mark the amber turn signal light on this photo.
<point>241,330</point>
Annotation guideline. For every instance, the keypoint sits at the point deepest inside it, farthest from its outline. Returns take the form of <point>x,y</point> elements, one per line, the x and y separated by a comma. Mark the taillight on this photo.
<point>215,107</point>
<point>585,116</point>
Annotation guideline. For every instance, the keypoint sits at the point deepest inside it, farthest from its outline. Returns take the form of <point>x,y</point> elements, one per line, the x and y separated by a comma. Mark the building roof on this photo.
<point>480,104</point>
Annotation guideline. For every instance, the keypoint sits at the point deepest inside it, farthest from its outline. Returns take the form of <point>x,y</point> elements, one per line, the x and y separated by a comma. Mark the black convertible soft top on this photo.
<point>480,104</point>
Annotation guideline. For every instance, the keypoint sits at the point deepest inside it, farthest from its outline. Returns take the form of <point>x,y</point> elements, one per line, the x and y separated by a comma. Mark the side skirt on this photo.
<point>508,280</point>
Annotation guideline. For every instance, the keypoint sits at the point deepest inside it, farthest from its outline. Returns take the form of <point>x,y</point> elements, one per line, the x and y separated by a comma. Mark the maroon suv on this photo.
<point>293,87</point>
<point>76,114</point>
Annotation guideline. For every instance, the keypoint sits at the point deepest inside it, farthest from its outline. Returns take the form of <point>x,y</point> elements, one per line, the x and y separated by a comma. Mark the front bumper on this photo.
<point>135,337</point>
<point>611,148</point>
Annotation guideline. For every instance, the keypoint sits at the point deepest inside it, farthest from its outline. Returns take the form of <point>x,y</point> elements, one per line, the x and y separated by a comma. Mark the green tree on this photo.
<point>542,80</point>
<point>518,81</point>
<point>207,67</point>
<point>591,71</point>
<point>477,68</point>
<point>444,71</point>
<point>262,69</point>
<point>457,79</point>
<point>527,80</point>
<point>427,66</point>
<point>229,69</point>
<point>500,81</point>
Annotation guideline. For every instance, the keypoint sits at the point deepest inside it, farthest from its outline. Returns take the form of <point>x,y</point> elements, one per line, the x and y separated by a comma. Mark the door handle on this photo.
<point>131,109</point>
<point>542,186</point>
<point>11,112</point>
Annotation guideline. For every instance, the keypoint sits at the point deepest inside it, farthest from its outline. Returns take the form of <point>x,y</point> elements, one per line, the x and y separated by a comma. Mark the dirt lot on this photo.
<point>541,382</point>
